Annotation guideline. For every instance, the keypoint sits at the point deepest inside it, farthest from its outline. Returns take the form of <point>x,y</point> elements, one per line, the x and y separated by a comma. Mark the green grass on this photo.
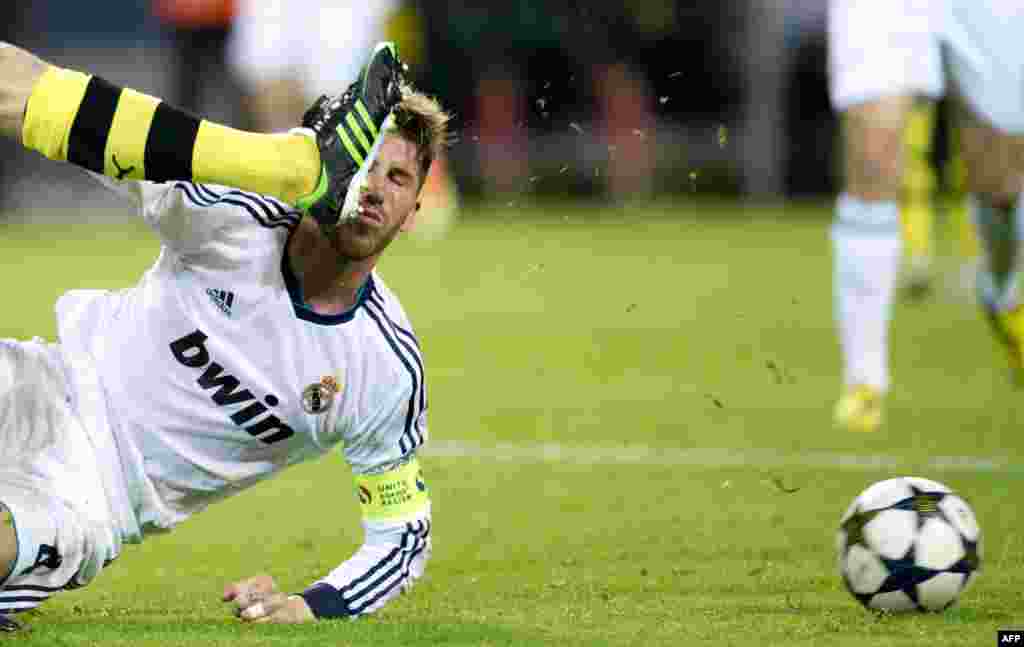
<point>645,334</point>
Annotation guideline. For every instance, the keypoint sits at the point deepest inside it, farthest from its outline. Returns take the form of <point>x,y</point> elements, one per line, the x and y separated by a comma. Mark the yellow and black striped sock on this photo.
<point>125,134</point>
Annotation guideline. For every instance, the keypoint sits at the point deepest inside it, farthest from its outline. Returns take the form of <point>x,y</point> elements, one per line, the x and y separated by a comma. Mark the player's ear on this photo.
<point>410,220</point>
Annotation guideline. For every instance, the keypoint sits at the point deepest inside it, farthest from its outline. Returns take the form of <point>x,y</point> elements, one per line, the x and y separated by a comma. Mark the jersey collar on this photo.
<point>304,312</point>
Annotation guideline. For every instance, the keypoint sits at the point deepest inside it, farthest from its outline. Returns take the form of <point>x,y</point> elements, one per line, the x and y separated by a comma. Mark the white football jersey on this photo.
<point>215,377</point>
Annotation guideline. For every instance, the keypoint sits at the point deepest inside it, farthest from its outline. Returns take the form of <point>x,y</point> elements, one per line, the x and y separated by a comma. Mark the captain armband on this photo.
<point>396,495</point>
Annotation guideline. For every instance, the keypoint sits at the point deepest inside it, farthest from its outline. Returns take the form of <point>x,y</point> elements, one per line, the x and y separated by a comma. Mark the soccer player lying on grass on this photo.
<point>260,337</point>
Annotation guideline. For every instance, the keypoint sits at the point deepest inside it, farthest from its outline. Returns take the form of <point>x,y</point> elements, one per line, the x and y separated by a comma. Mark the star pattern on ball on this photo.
<point>854,527</point>
<point>924,503</point>
<point>932,522</point>
<point>905,575</point>
<point>971,560</point>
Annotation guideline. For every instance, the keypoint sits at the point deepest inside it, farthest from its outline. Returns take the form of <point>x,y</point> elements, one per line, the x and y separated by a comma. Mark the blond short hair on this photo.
<point>421,119</point>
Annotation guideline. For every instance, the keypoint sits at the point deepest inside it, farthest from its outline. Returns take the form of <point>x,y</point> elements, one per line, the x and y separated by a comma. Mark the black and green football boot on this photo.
<point>346,128</point>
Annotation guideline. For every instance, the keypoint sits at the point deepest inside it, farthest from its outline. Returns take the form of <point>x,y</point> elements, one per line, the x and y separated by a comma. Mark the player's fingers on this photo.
<point>240,591</point>
<point>254,612</point>
<point>230,592</point>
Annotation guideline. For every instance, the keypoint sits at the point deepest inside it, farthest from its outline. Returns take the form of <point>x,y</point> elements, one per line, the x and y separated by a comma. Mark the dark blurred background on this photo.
<point>608,101</point>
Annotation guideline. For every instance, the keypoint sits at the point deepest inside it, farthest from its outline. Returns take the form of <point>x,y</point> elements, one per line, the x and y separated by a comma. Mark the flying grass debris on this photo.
<point>781,487</point>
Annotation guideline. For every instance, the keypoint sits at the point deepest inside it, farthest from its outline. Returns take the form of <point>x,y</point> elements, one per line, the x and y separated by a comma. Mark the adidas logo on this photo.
<point>357,133</point>
<point>222,299</point>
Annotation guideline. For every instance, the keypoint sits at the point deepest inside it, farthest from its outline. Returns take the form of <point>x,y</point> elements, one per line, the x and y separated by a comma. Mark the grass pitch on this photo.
<point>631,444</point>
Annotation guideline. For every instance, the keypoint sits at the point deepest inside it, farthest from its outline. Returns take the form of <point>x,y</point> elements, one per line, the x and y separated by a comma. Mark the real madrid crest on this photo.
<point>317,397</point>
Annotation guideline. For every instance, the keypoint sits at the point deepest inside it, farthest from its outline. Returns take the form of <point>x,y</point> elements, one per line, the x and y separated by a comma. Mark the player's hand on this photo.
<point>258,600</point>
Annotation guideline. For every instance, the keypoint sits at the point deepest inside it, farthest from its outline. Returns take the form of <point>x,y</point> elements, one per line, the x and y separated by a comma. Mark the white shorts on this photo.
<point>50,480</point>
<point>880,48</point>
<point>986,59</point>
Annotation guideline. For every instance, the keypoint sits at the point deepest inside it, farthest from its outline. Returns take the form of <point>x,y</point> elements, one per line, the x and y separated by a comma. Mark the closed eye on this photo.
<point>400,177</point>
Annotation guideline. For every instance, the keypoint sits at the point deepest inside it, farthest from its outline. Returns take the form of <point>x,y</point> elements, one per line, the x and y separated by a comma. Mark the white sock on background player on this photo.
<point>867,250</point>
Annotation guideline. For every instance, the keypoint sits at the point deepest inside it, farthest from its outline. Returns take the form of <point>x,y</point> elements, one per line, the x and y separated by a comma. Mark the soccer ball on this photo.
<point>908,544</point>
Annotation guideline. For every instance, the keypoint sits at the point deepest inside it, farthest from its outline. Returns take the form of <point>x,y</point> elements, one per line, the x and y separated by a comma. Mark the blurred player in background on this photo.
<point>884,58</point>
<point>286,58</point>
<point>261,337</point>
<point>543,67</point>
<point>197,31</point>
<point>933,192</point>
<point>918,204</point>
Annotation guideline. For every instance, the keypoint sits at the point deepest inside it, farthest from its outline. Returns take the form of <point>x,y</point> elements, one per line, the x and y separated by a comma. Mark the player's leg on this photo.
<point>867,248</point>
<point>8,555</point>
<point>8,543</point>
<point>58,533</point>
<point>994,171</point>
<point>8,537</point>
<point>917,210</point>
<point>987,66</point>
<point>881,56</point>
<point>56,546</point>
<point>70,116</point>
<point>959,224</point>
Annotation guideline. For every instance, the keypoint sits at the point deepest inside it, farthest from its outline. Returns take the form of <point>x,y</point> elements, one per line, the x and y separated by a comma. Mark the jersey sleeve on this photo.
<point>394,496</point>
<point>387,565</point>
<point>397,427</point>
<point>147,197</point>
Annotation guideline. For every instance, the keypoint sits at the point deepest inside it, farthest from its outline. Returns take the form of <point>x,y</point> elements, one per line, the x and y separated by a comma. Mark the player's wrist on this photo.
<point>325,601</point>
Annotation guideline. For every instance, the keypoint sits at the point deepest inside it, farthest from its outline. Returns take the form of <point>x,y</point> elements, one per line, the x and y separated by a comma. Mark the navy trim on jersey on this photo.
<point>273,212</point>
<point>192,193</point>
<point>407,333</point>
<point>268,203</point>
<point>328,602</point>
<point>37,594</point>
<point>304,312</point>
<point>33,587</point>
<point>267,214</point>
<point>418,546</point>
<point>378,300</point>
<point>24,598</point>
<point>272,207</point>
<point>415,436</point>
<point>205,192</point>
